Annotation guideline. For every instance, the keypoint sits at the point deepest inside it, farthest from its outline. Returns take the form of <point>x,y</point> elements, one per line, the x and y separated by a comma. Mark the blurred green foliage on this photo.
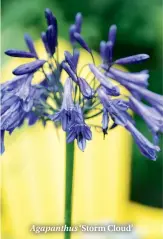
<point>139,31</point>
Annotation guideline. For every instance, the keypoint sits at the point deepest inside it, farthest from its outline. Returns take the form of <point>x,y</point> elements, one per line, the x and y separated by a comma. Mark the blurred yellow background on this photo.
<point>33,169</point>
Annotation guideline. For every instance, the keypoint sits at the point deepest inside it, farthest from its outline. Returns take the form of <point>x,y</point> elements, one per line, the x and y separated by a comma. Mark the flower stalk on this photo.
<point>69,187</point>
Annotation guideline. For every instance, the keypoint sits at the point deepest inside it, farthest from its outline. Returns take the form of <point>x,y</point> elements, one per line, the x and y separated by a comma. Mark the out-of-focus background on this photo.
<point>139,31</point>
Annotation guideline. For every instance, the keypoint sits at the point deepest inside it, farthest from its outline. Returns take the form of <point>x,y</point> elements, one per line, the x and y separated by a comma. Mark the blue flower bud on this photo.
<point>78,22</point>
<point>72,31</point>
<point>30,44</point>
<point>140,78</point>
<point>51,39</point>
<point>106,83</point>
<point>18,53</point>
<point>45,41</point>
<point>132,59</point>
<point>112,34</point>
<point>85,88</point>
<point>69,72</point>
<point>109,51</point>
<point>52,21</point>
<point>81,41</point>
<point>69,59</point>
<point>29,67</point>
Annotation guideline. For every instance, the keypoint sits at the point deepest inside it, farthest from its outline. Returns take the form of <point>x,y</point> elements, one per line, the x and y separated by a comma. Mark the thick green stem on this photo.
<point>69,186</point>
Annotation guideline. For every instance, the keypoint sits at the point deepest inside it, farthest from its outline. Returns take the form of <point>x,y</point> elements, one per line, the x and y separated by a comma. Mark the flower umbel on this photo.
<point>77,98</point>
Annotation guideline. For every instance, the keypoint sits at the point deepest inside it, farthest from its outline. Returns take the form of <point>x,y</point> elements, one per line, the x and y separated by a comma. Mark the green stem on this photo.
<point>69,186</point>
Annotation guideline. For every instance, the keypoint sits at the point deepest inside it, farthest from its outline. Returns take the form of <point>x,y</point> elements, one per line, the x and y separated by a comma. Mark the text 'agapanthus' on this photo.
<point>76,99</point>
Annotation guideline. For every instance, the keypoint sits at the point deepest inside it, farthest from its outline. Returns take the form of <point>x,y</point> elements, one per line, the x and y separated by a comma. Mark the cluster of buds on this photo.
<point>78,99</point>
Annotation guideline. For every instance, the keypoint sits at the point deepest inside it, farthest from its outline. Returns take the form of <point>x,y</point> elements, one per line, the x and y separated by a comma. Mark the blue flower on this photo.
<point>79,130</point>
<point>85,88</point>
<point>146,147</point>
<point>29,67</point>
<point>30,45</point>
<point>140,78</point>
<point>154,99</point>
<point>75,28</point>
<point>12,114</point>
<point>52,32</point>
<point>67,111</point>
<point>115,108</point>
<point>18,53</point>
<point>18,97</point>
<point>151,116</point>
<point>106,83</point>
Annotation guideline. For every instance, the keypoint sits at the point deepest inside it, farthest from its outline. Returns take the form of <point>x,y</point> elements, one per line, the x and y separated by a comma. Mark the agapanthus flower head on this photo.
<point>76,99</point>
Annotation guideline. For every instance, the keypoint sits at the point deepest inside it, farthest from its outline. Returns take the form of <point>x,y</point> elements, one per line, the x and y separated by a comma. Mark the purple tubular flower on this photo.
<point>2,147</point>
<point>13,115</point>
<point>146,147</point>
<point>12,86</point>
<point>121,104</point>
<point>67,112</point>
<point>72,31</point>
<point>18,53</point>
<point>81,41</point>
<point>16,101</point>
<point>69,59</point>
<point>51,20</point>
<point>69,72</point>
<point>24,89</point>
<point>116,108</point>
<point>79,130</point>
<point>30,44</point>
<point>132,59</point>
<point>85,88</point>
<point>29,67</point>
<point>109,87</point>
<point>51,39</point>
<point>25,94</point>
<point>78,22</point>
<point>154,99</point>
<point>137,78</point>
<point>112,34</point>
<point>45,41</point>
<point>153,119</point>
<point>18,97</point>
